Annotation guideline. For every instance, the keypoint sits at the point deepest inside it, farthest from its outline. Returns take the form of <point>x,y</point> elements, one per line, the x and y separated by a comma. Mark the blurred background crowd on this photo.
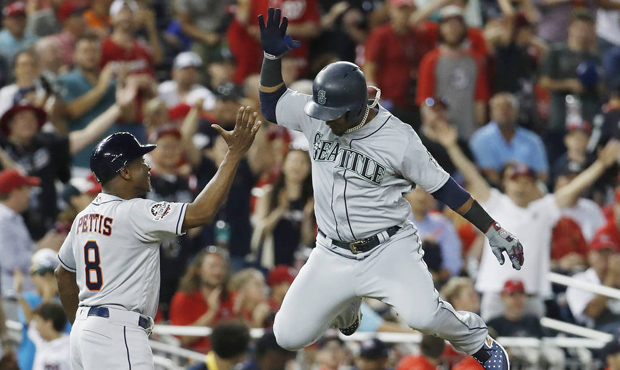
<point>518,99</point>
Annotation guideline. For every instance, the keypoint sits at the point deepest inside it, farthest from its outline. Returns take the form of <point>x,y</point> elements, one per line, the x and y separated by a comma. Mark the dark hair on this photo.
<point>54,312</point>
<point>30,52</point>
<point>88,36</point>
<point>432,346</point>
<point>582,15</point>
<point>278,186</point>
<point>190,282</point>
<point>268,343</point>
<point>230,339</point>
<point>464,35</point>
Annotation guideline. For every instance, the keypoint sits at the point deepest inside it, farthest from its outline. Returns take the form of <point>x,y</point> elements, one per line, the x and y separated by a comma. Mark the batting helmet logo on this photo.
<point>322,99</point>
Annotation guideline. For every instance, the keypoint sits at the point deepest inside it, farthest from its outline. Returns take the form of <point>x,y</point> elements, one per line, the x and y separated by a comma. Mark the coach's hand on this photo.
<point>240,139</point>
<point>502,241</point>
<point>273,36</point>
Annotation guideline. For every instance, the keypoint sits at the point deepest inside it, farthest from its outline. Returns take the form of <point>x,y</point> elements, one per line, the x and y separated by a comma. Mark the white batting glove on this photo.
<point>502,241</point>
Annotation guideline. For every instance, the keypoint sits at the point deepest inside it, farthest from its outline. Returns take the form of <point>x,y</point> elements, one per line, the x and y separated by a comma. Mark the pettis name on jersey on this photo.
<point>95,223</point>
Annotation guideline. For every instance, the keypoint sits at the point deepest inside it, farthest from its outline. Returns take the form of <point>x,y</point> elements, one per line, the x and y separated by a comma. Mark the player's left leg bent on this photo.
<point>398,276</point>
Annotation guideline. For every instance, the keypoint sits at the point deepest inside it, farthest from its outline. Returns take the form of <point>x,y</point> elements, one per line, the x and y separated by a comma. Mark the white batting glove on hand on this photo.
<point>502,241</point>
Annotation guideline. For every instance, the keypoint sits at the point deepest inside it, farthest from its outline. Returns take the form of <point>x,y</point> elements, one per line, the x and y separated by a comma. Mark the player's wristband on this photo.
<point>271,72</point>
<point>271,56</point>
<point>479,217</point>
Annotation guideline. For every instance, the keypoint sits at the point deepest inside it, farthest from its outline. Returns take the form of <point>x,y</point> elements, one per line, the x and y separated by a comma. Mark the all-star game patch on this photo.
<point>160,210</point>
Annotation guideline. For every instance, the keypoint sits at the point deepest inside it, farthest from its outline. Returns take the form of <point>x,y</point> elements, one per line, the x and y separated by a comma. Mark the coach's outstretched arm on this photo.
<point>457,198</point>
<point>203,209</point>
<point>275,43</point>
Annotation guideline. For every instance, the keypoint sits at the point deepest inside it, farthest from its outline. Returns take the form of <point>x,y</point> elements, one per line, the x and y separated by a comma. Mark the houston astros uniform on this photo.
<point>113,248</point>
<point>359,180</point>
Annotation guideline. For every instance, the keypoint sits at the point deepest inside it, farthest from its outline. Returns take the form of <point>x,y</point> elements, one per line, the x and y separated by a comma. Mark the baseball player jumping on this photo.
<point>108,278</point>
<point>363,160</point>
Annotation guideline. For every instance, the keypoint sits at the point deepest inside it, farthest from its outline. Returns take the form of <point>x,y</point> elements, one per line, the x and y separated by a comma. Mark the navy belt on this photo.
<point>104,312</point>
<point>363,245</point>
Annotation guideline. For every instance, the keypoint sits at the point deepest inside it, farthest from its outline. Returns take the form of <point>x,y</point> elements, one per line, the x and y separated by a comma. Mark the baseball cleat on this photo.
<point>353,328</point>
<point>492,356</point>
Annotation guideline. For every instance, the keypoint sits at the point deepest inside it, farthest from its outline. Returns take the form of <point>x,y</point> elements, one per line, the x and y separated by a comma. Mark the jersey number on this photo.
<point>94,278</point>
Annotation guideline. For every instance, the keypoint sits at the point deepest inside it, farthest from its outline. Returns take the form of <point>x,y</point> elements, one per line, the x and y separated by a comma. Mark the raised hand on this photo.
<point>502,241</point>
<point>273,36</point>
<point>240,139</point>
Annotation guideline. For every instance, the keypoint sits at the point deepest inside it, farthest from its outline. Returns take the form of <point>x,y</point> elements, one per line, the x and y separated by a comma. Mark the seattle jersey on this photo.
<point>360,178</point>
<point>113,247</point>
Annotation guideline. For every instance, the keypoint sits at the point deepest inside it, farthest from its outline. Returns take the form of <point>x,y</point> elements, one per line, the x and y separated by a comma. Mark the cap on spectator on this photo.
<point>16,8</point>
<point>437,101</point>
<point>179,111</point>
<point>374,349</point>
<point>80,185</point>
<point>268,343</point>
<point>582,15</point>
<point>584,126</point>
<point>8,116</point>
<point>612,347</point>
<point>44,260</point>
<point>603,241</point>
<point>228,91</point>
<point>187,59</point>
<point>118,5</point>
<point>12,179</point>
<point>329,336</point>
<point>522,170</point>
<point>69,8</point>
<point>222,55</point>
<point>401,3</point>
<point>450,11</point>
<point>166,130</point>
<point>513,286</point>
<point>281,274</point>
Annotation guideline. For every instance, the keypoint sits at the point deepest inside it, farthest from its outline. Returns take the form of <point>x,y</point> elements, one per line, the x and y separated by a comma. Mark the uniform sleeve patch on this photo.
<point>160,210</point>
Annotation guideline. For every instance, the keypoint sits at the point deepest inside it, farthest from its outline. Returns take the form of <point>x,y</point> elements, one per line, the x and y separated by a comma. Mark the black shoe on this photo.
<point>353,328</point>
<point>492,356</point>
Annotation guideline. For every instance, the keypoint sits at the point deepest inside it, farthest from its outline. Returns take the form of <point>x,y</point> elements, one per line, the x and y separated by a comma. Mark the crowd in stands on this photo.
<point>519,100</point>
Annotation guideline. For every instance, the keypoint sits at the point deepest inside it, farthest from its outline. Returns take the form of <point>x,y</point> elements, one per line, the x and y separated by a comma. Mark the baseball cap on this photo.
<point>603,241</point>
<point>12,179</point>
<point>166,130</point>
<point>612,347</point>
<point>582,125</point>
<point>373,349</point>
<point>8,116</point>
<point>268,343</point>
<point>222,55</point>
<point>450,11</point>
<point>281,274</point>
<point>522,170</point>
<point>437,102</point>
<point>80,185</point>
<point>14,9</point>
<point>187,59</point>
<point>513,286</point>
<point>44,260</point>
<point>401,3</point>
<point>228,91</point>
<point>70,7</point>
<point>179,111</point>
<point>118,5</point>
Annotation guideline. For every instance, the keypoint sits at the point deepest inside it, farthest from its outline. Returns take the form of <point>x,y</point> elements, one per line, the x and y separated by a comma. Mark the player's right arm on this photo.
<point>202,210</point>
<point>275,43</point>
<point>66,279</point>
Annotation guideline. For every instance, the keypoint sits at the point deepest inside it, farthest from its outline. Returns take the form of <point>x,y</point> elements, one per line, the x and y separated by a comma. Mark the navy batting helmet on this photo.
<point>339,89</point>
<point>115,152</point>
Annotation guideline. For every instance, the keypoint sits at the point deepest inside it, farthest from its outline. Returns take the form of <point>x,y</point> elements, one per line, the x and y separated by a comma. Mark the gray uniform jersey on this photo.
<point>359,178</point>
<point>113,247</point>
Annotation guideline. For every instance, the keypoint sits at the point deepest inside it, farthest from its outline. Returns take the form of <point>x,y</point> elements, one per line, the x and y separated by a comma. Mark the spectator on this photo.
<point>47,155</point>
<point>249,288</point>
<point>50,57</point>
<point>24,89</point>
<point>279,279</point>
<point>221,69</point>
<point>434,227</point>
<point>13,36</point>
<point>598,311</point>
<point>392,57</point>
<point>502,141</point>
<point>268,355</point>
<point>561,78</point>
<point>456,73</point>
<point>98,17</point>
<point>89,92</point>
<point>431,347</point>
<point>435,113</point>
<point>331,351</point>
<point>243,34</point>
<point>576,157</point>
<point>47,333</point>
<point>285,212</point>
<point>555,19</point>
<point>183,88</point>
<point>230,342</point>
<point>460,293</point>
<point>44,262</point>
<point>202,298</point>
<point>568,246</point>
<point>71,17</point>
<point>532,217</point>
<point>373,355</point>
